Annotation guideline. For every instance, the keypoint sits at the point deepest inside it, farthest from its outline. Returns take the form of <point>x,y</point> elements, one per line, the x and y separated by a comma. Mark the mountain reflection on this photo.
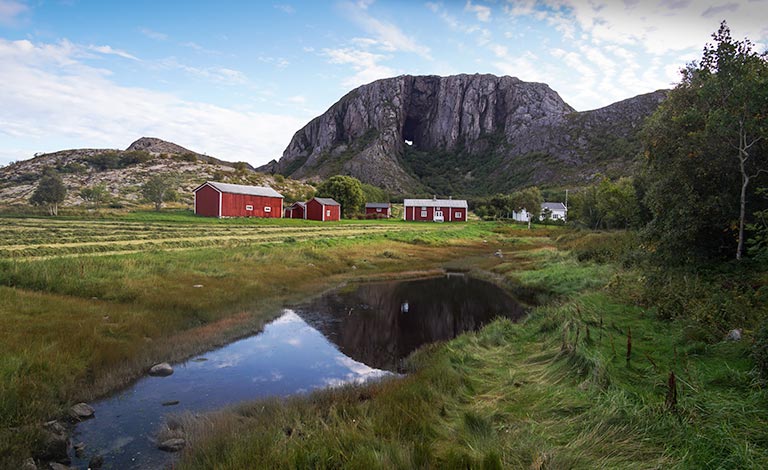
<point>381,323</point>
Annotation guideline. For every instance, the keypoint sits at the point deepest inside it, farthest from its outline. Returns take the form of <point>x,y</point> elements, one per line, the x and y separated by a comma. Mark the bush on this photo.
<point>760,351</point>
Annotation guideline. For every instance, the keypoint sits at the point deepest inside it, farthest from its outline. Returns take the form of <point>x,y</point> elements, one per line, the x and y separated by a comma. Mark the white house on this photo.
<point>556,210</point>
<point>521,216</point>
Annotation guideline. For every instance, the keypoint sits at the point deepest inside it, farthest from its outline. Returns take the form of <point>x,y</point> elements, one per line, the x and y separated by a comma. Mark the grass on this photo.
<point>555,391</point>
<point>74,326</point>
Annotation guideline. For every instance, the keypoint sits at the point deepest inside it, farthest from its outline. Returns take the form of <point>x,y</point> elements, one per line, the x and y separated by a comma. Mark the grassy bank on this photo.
<point>560,390</point>
<point>75,327</point>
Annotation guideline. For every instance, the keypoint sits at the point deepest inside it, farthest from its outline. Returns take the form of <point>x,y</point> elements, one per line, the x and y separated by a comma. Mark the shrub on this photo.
<point>760,351</point>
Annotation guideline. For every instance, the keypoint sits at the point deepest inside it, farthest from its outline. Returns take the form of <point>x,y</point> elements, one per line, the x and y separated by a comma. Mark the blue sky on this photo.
<point>236,79</point>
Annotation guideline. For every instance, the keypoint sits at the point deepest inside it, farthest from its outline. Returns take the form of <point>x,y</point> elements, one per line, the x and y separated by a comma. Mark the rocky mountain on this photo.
<point>122,172</point>
<point>465,134</point>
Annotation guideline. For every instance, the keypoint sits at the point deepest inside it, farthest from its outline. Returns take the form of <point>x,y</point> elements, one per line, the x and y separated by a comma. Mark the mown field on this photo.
<point>87,304</point>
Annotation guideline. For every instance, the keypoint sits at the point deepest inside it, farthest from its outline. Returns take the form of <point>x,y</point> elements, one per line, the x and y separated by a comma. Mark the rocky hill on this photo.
<point>122,172</point>
<point>465,134</point>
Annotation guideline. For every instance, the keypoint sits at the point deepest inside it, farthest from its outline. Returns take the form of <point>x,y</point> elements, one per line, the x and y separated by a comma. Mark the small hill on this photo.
<point>123,172</point>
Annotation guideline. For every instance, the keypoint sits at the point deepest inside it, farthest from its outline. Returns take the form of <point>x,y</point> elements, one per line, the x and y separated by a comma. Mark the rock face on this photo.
<point>379,131</point>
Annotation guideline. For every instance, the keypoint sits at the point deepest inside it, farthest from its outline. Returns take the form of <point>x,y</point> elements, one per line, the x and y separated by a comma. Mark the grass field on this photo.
<point>86,305</point>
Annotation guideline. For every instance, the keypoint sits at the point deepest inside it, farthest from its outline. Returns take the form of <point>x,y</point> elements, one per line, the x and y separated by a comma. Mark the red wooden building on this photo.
<point>378,210</point>
<point>214,199</point>
<point>322,208</point>
<point>435,210</point>
<point>296,210</point>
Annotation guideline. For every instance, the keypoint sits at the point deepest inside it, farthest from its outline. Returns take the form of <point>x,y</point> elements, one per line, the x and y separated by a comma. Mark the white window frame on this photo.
<point>248,207</point>
<point>327,212</point>
<point>267,209</point>
<point>423,212</point>
<point>457,215</point>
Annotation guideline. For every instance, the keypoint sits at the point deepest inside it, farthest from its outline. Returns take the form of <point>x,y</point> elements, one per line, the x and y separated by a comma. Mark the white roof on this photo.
<point>242,189</point>
<point>435,203</point>
<point>553,206</point>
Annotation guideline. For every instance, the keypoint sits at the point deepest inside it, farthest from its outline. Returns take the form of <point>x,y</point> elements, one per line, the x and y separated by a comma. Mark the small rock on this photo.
<point>58,466</point>
<point>734,335</point>
<point>29,464</point>
<point>79,450</point>
<point>498,254</point>
<point>197,286</point>
<point>172,445</point>
<point>354,267</point>
<point>171,403</point>
<point>96,462</point>
<point>161,370</point>
<point>81,411</point>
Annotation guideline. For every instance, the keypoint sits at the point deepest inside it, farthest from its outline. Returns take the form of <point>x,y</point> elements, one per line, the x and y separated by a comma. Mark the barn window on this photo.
<point>423,212</point>
<point>328,213</point>
<point>267,209</point>
<point>249,207</point>
<point>378,209</point>
<point>457,215</point>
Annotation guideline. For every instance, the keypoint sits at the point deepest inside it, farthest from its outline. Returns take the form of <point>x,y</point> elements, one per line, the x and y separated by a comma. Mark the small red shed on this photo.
<point>296,210</point>
<point>378,210</point>
<point>435,210</point>
<point>323,208</point>
<point>213,199</point>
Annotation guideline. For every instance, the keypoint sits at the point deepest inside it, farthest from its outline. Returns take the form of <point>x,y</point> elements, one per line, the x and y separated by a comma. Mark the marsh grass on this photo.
<point>552,392</point>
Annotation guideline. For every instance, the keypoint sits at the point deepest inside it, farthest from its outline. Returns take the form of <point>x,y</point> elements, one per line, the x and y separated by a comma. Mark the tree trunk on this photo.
<point>742,211</point>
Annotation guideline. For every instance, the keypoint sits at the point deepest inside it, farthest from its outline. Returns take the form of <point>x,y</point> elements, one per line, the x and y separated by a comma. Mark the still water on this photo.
<point>348,336</point>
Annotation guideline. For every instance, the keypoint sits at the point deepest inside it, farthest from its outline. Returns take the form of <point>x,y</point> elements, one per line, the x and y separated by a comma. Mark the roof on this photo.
<point>460,203</point>
<point>377,205</point>
<point>242,189</point>
<point>299,203</point>
<point>326,201</point>
<point>553,206</point>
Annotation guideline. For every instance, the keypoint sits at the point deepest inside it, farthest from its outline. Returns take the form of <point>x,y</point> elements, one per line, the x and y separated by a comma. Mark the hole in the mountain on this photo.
<point>411,132</point>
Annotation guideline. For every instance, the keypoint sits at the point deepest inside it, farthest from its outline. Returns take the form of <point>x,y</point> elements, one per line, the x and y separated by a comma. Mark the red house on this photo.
<point>296,210</point>
<point>214,199</point>
<point>435,210</point>
<point>322,208</point>
<point>378,210</point>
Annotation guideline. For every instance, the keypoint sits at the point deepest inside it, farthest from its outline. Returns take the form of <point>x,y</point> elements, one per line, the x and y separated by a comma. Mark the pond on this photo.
<point>350,335</point>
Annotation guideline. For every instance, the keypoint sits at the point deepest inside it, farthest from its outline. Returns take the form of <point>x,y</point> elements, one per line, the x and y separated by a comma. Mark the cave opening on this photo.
<point>411,132</point>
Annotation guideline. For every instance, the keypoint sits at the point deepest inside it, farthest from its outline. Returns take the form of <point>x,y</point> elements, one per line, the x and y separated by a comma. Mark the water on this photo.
<point>351,335</point>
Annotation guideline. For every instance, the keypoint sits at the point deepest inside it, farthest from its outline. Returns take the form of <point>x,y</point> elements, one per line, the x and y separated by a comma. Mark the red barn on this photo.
<point>323,208</point>
<point>214,199</point>
<point>378,210</point>
<point>297,210</point>
<point>435,210</point>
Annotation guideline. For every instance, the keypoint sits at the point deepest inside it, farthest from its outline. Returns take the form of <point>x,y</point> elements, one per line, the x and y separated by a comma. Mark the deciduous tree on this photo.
<point>345,190</point>
<point>159,189</point>
<point>50,191</point>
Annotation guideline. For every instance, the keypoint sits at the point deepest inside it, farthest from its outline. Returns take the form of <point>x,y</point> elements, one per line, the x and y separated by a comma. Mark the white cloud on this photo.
<point>365,64</point>
<point>157,36</point>
<point>220,75</point>
<point>285,8</point>
<point>482,12</point>
<point>48,93</point>
<point>387,33</point>
<point>298,99</point>
<point>111,51</point>
<point>10,10</point>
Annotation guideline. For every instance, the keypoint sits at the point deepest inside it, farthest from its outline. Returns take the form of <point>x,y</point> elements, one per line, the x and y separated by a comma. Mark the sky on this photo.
<point>236,80</point>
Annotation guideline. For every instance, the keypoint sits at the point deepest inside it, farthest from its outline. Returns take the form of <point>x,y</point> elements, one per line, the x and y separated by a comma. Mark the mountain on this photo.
<point>465,134</point>
<point>123,172</point>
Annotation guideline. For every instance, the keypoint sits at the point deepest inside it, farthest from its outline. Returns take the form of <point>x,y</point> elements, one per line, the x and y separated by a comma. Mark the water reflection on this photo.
<point>379,324</point>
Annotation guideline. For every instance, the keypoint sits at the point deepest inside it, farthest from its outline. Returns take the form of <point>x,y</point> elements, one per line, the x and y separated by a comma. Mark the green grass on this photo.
<point>555,391</point>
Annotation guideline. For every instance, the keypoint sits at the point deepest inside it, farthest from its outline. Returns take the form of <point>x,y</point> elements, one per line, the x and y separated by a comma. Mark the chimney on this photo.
<point>434,197</point>
<point>450,198</point>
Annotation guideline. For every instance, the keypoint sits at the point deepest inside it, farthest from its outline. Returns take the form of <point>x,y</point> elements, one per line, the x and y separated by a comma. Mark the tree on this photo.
<point>346,190</point>
<point>50,191</point>
<point>95,194</point>
<point>529,199</point>
<point>705,145</point>
<point>159,189</point>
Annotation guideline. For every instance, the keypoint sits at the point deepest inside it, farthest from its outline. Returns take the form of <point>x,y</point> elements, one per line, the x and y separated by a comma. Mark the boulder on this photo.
<point>55,443</point>
<point>172,445</point>
<point>81,411</point>
<point>734,335</point>
<point>161,370</point>
<point>29,464</point>
<point>58,466</point>
<point>96,462</point>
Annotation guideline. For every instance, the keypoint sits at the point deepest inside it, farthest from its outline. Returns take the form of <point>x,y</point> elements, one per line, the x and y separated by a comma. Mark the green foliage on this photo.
<point>704,144</point>
<point>374,194</point>
<point>50,191</point>
<point>758,242</point>
<point>607,205</point>
<point>159,189</point>
<point>240,167</point>
<point>116,160</point>
<point>345,190</point>
<point>501,206</point>
<point>95,195</point>
<point>760,351</point>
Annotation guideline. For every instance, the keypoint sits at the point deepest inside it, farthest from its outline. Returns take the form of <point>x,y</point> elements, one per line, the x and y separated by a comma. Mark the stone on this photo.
<point>172,445</point>
<point>161,370</point>
<point>79,449</point>
<point>58,466</point>
<point>96,462</point>
<point>498,254</point>
<point>81,411</point>
<point>29,464</point>
<point>734,335</point>
<point>54,444</point>
<point>171,403</point>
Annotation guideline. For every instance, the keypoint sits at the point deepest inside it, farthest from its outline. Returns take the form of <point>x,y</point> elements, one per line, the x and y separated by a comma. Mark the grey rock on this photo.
<point>734,335</point>
<point>171,403</point>
<point>81,411</point>
<point>172,445</point>
<point>364,133</point>
<point>96,462</point>
<point>29,464</point>
<point>58,466</point>
<point>161,370</point>
<point>54,444</point>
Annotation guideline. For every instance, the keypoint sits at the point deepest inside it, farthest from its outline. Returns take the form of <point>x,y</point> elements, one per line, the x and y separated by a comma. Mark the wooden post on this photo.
<point>671,402</point>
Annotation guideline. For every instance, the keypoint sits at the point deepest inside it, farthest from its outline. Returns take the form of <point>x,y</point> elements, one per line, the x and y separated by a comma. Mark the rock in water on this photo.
<point>81,411</point>
<point>172,445</point>
<point>96,462</point>
<point>161,370</point>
